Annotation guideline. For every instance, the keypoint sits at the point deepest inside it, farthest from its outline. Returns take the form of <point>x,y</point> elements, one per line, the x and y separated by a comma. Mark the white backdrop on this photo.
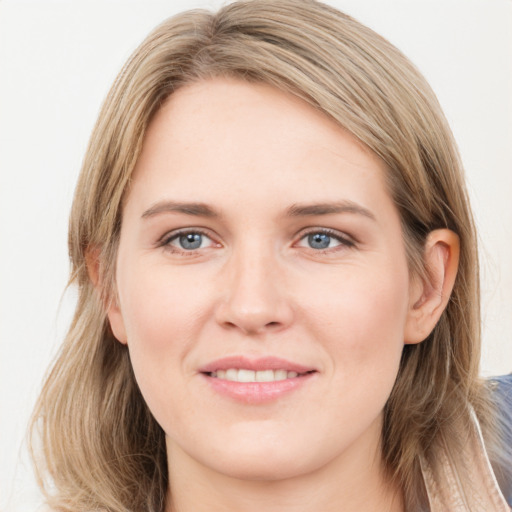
<point>57,61</point>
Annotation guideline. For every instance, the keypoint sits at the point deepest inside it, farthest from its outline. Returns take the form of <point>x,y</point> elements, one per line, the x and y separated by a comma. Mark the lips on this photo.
<point>258,380</point>
<point>256,365</point>
<point>244,375</point>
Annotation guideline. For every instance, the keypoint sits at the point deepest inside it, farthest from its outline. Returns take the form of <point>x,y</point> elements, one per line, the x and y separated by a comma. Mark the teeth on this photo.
<point>243,375</point>
<point>265,376</point>
<point>231,374</point>
<point>280,374</point>
<point>246,376</point>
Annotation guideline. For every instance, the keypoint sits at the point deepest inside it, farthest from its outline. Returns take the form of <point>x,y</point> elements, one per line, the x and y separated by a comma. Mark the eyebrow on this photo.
<point>346,206</point>
<point>295,210</point>
<point>196,209</point>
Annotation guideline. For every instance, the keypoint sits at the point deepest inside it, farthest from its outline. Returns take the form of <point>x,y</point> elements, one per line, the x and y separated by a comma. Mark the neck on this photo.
<point>348,484</point>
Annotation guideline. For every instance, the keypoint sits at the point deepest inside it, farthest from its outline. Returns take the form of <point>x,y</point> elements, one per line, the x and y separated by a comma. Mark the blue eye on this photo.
<point>187,241</point>
<point>324,239</point>
<point>319,240</point>
<point>190,241</point>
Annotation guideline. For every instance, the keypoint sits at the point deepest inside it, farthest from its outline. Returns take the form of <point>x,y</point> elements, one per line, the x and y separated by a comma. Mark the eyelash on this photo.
<point>166,240</point>
<point>345,242</point>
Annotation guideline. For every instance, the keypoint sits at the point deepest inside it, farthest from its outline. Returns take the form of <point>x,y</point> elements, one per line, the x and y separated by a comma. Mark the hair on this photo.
<point>101,447</point>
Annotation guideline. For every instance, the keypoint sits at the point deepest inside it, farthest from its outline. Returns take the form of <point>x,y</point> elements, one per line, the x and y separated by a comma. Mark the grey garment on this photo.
<point>503,392</point>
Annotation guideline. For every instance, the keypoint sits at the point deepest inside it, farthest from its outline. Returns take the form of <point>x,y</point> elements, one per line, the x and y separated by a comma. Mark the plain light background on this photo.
<point>57,61</point>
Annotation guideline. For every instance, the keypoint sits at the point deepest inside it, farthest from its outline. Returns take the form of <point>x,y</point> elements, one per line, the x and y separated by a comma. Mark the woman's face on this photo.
<point>263,287</point>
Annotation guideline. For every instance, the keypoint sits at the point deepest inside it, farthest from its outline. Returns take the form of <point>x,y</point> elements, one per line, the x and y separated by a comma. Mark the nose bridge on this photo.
<point>255,299</point>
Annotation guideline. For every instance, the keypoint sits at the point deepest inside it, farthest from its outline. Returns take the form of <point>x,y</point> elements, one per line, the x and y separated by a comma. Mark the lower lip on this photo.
<point>257,392</point>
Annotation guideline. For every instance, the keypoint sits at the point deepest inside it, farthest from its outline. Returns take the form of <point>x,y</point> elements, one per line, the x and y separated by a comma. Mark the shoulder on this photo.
<point>502,387</point>
<point>502,397</point>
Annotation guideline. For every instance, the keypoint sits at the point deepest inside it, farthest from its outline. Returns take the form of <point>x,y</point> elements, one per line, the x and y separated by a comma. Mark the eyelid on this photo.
<point>165,240</point>
<point>345,239</point>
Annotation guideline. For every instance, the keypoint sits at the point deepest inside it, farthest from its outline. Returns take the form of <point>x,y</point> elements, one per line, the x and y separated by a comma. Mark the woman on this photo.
<point>278,283</point>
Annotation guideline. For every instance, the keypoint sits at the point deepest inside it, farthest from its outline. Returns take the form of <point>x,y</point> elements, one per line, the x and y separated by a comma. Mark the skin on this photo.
<point>256,287</point>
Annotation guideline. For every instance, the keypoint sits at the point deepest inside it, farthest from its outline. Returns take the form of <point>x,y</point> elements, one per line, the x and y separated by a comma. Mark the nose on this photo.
<point>255,296</point>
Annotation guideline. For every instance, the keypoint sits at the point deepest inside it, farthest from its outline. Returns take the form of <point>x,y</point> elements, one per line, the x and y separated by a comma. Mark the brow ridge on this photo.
<point>196,209</point>
<point>296,210</point>
<point>345,206</point>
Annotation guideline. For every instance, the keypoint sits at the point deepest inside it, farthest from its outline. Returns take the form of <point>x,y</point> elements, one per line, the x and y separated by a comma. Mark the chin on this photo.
<point>269,470</point>
<point>264,463</point>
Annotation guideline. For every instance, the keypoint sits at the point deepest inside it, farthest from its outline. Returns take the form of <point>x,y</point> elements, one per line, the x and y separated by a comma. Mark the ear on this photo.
<point>111,304</point>
<point>429,297</point>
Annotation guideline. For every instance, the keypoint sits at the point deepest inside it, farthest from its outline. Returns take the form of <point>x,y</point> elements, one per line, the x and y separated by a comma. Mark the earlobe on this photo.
<point>115,318</point>
<point>429,296</point>
<point>116,321</point>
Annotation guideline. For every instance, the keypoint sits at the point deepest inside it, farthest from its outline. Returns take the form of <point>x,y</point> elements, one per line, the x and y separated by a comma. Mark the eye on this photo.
<point>321,241</point>
<point>187,241</point>
<point>190,241</point>
<point>324,239</point>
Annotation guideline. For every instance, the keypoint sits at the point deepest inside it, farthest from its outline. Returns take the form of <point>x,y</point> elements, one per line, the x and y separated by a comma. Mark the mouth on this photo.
<point>254,381</point>
<point>246,375</point>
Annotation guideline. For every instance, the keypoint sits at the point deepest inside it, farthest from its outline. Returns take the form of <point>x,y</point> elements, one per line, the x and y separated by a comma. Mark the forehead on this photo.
<point>244,140</point>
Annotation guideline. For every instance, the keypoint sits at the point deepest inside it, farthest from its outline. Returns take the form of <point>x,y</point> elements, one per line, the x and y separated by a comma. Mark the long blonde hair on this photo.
<point>100,445</point>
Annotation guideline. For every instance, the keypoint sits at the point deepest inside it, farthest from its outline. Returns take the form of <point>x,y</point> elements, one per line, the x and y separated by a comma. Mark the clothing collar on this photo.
<point>477,490</point>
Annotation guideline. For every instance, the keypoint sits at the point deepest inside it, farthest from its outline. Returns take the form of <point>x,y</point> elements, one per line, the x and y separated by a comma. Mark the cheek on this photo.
<point>365,342</point>
<point>163,315</point>
<point>363,314</point>
<point>160,308</point>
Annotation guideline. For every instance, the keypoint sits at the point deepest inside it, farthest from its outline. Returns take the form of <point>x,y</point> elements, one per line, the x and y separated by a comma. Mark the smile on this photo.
<point>252,381</point>
<point>244,375</point>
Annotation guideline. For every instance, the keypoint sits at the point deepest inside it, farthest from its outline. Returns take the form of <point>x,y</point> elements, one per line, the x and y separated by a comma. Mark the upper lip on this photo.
<point>256,364</point>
